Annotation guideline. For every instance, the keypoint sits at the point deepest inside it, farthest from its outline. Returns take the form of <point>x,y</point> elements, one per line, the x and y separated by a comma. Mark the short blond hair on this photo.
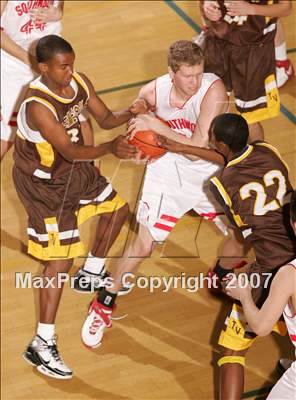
<point>184,52</point>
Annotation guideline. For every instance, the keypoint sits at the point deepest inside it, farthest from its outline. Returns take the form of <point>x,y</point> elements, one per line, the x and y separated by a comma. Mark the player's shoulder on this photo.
<point>287,273</point>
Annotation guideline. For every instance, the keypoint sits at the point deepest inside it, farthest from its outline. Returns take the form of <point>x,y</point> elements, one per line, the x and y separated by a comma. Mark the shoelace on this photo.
<point>97,322</point>
<point>43,346</point>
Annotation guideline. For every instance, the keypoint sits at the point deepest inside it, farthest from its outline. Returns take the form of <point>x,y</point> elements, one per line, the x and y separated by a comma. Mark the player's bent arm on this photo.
<point>282,288</point>
<point>214,103</point>
<point>10,46</point>
<point>148,93</point>
<point>43,120</point>
<point>105,118</point>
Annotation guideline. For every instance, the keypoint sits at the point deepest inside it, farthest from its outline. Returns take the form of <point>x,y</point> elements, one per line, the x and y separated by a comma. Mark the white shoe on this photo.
<point>99,318</point>
<point>45,356</point>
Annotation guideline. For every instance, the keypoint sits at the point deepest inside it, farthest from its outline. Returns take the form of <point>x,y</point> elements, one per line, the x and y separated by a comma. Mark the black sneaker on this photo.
<point>45,356</point>
<point>87,282</point>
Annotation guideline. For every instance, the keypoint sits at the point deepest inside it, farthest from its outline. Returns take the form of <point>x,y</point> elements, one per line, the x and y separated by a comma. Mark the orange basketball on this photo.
<point>146,141</point>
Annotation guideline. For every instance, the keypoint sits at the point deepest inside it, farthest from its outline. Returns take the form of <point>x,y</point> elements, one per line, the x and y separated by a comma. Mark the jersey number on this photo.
<point>261,207</point>
<point>74,134</point>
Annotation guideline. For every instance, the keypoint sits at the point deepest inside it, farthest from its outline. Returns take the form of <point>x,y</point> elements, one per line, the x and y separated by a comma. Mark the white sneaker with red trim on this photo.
<point>99,318</point>
<point>284,72</point>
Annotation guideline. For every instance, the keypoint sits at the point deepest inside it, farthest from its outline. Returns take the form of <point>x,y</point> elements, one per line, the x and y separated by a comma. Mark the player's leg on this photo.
<point>284,66</point>
<point>99,199</point>
<point>235,339</point>
<point>285,388</point>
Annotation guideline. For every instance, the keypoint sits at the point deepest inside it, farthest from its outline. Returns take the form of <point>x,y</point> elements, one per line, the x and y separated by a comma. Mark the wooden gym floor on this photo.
<point>163,349</point>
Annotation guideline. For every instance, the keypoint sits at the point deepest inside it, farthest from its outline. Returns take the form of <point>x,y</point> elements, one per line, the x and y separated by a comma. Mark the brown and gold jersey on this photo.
<point>255,190</point>
<point>33,154</point>
<point>244,29</point>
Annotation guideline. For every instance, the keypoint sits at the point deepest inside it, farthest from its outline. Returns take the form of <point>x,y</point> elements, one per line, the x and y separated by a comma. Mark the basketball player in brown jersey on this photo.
<point>58,186</point>
<point>239,48</point>
<point>254,190</point>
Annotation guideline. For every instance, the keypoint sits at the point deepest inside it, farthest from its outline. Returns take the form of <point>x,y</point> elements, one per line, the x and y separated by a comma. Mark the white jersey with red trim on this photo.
<point>181,119</point>
<point>18,25</point>
<point>290,316</point>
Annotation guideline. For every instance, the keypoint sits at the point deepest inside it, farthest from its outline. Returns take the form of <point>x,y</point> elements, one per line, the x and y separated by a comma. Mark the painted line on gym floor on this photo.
<point>291,50</point>
<point>257,392</point>
<point>122,87</point>
<point>183,15</point>
<point>197,28</point>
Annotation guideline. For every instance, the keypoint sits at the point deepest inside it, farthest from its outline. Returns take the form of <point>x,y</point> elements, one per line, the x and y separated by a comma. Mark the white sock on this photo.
<point>93,264</point>
<point>281,52</point>
<point>46,331</point>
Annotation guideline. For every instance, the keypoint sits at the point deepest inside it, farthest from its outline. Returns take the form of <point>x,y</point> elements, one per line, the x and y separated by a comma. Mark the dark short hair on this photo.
<point>50,45</point>
<point>293,207</point>
<point>231,129</point>
<point>184,52</point>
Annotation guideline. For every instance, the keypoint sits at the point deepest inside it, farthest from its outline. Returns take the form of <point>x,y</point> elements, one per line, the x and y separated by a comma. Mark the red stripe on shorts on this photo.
<point>163,227</point>
<point>293,338</point>
<point>210,215</point>
<point>169,218</point>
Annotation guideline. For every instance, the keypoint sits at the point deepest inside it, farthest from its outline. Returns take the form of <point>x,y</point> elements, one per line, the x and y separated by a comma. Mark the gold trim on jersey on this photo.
<point>228,201</point>
<point>86,212</point>
<point>241,157</point>
<point>275,150</point>
<point>46,153</point>
<point>82,83</point>
<point>44,102</point>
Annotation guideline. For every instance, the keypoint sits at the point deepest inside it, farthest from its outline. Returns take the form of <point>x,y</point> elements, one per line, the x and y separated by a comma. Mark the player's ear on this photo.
<point>171,73</point>
<point>43,67</point>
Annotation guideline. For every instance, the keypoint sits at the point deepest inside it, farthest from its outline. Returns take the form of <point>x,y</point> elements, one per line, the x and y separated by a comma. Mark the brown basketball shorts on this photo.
<point>57,207</point>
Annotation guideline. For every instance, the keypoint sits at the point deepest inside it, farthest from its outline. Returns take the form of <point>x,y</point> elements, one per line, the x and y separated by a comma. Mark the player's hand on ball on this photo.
<point>122,149</point>
<point>139,106</point>
<point>212,10</point>
<point>169,144</point>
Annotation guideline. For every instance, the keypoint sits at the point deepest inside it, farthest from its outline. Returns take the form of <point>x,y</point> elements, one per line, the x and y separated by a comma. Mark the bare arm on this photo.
<point>42,119</point>
<point>206,154</point>
<point>282,9</point>
<point>105,118</point>
<point>10,46</point>
<point>282,288</point>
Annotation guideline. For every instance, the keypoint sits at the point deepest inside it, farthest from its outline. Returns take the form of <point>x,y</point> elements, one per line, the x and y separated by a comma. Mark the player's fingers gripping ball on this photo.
<point>148,143</point>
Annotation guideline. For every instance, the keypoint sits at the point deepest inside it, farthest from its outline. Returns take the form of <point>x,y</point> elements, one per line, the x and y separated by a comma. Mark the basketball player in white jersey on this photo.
<point>281,300</point>
<point>23,23</point>
<point>187,100</point>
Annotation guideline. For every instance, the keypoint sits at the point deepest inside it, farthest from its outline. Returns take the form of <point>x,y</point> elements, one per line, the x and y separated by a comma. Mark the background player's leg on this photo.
<point>284,66</point>
<point>108,228</point>
<point>50,297</point>
<point>256,132</point>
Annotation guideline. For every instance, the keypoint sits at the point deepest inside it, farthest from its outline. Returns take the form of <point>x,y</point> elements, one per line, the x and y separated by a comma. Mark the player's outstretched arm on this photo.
<point>282,288</point>
<point>43,120</point>
<point>105,118</point>
<point>238,7</point>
